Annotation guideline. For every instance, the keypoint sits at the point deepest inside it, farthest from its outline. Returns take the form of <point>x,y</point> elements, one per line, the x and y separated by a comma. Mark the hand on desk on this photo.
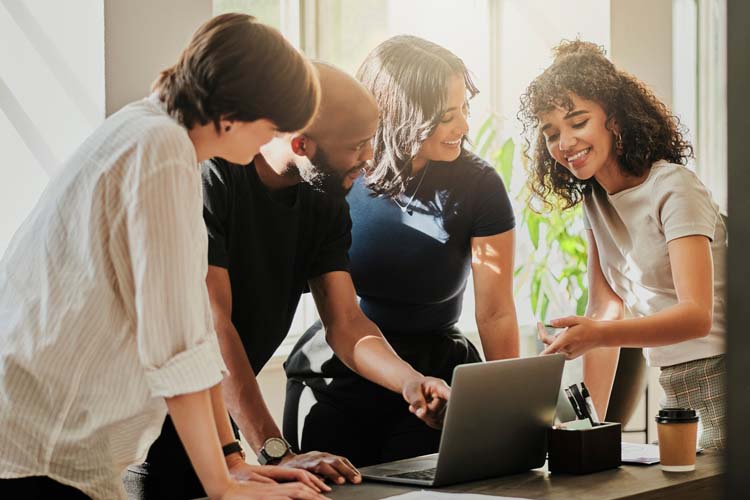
<point>427,397</point>
<point>337,469</point>
<point>271,475</point>
<point>579,336</point>
<point>262,491</point>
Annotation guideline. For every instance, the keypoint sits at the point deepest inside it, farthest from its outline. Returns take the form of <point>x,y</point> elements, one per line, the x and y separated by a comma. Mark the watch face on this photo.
<point>275,448</point>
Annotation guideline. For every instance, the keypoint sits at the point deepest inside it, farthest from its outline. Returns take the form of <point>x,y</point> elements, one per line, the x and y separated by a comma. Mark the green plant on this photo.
<point>554,269</point>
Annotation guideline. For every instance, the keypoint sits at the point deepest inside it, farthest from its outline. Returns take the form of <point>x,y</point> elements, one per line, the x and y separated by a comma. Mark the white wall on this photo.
<point>51,94</point>
<point>143,37</point>
<point>63,67</point>
<point>641,42</point>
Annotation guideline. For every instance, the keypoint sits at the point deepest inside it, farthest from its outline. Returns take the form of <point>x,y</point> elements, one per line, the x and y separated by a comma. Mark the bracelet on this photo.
<point>233,447</point>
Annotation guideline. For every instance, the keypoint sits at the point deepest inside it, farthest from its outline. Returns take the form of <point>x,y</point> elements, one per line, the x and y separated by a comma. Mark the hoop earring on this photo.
<point>618,143</point>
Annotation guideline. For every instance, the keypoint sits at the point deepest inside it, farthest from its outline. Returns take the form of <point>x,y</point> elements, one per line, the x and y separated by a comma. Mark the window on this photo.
<point>348,31</point>
<point>267,11</point>
<point>711,137</point>
<point>699,87</point>
<point>504,43</point>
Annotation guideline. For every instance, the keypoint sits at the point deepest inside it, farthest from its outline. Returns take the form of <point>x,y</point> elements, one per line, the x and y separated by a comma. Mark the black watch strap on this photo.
<point>233,447</point>
<point>264,458</point>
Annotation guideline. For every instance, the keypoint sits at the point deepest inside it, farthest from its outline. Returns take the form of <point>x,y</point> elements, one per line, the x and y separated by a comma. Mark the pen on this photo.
<point>573,403</point>
<point>589,404</point>
<point>581,402</point>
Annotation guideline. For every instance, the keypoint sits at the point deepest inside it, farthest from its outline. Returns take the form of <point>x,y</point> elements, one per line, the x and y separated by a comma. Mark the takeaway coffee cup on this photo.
<point>678,430</point>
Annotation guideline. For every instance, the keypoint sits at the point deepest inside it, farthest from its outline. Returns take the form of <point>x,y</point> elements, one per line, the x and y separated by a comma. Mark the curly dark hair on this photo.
<point>649,131</point>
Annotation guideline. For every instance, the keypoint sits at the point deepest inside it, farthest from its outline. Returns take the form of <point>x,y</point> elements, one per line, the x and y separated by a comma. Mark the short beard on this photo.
<point>321,176</point>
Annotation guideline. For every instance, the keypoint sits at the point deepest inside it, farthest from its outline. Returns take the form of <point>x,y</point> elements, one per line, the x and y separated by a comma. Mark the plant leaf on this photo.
<point>487,144</point>
<point>545,305</point>
<point>488,122</point>
<point>583,300</point>
<point>532,222</point>
<point>536,283</point>
<point>504,162</point>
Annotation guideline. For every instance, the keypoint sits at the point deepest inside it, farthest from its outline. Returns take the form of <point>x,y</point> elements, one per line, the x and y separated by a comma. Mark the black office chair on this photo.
<point>628,387</point>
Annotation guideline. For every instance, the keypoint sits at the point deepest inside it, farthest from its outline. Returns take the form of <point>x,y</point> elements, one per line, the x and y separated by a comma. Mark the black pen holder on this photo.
<point>584,451</point>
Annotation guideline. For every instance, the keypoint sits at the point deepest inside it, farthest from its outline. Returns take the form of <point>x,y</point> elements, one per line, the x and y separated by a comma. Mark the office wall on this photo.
<point>641,42</point>
<point>143,37</point>
<point>64,66</point>
<point>51,95</point>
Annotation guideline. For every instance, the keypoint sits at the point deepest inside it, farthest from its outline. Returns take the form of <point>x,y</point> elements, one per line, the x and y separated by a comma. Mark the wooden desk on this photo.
<point>632,482</point>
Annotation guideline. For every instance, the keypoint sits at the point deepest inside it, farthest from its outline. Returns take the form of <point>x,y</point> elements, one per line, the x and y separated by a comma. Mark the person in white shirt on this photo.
<point>105,322</point>
<point>657,242</point>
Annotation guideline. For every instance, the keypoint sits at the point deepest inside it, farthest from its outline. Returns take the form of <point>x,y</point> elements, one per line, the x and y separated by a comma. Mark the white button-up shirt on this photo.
<point>104,310</point>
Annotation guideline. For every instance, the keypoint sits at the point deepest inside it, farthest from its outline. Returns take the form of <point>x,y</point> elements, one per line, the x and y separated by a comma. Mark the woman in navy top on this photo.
<point>426,212</point>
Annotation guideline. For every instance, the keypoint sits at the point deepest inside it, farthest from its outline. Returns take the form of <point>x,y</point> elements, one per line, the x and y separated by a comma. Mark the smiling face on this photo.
<point>334,173</point>
<point>336,153</point>
<point>344,152</point>
<point>579,139</point>
<point>444,144</point>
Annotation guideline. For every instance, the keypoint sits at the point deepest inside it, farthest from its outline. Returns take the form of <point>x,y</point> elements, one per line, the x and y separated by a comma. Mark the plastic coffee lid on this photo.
<point>676,416</point>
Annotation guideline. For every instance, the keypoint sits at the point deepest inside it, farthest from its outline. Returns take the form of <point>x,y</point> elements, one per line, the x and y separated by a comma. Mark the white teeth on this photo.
<point>578,155</point>
<point>452,143</point>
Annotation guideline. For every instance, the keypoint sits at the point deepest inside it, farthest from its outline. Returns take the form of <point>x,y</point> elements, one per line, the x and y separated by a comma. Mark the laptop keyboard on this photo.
<point>426,474</point>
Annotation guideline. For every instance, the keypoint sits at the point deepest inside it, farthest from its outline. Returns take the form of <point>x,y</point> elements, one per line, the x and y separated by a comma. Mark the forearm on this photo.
<point>369,354</point>
<point>221,416</point>
<point>676,324</point>
<point>600,365</point>
<point>193,417</point>
<point>242,393</point>
<point>681,322</point>
<point>599,368</point>
<point>499,336</point>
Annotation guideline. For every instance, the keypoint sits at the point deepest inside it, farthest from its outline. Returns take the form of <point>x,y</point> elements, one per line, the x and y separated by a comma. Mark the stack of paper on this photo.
<point>633,453</point>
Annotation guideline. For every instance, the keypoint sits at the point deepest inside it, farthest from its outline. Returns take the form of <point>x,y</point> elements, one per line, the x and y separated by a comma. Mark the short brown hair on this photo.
<point>236,68</point>
<point>649,131</point>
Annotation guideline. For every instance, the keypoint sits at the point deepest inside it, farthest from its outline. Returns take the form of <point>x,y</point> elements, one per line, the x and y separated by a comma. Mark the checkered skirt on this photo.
<point>699,384</point>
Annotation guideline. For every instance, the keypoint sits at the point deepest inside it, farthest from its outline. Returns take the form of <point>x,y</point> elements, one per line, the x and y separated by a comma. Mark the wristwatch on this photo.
<point>273,450</point>
<point>233,447</point>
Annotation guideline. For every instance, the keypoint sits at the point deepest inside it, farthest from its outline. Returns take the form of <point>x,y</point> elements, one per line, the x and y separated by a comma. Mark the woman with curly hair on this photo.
<point>657,243</point>
<point>426,212</point>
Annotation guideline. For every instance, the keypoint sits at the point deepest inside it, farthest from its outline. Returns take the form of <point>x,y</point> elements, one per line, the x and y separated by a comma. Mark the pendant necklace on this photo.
<point>406,208</point>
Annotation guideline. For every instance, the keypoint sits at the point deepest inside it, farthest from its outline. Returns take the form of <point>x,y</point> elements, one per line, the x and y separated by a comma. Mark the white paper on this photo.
<point>436,495</point>
<point>634,453</point>
<point>640,453</point>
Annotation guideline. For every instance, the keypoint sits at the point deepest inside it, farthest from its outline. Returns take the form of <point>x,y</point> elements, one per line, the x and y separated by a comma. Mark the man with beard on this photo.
<point>275,228</point>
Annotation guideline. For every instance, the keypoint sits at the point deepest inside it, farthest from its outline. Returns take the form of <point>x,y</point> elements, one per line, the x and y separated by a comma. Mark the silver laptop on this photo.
<point>495,424</point>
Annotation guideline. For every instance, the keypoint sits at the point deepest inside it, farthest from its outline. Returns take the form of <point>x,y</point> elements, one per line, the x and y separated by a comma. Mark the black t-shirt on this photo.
<point>410,268</point>
<point>271,243</point>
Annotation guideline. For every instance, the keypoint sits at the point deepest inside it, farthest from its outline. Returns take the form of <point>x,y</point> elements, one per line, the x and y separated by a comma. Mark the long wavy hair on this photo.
<point>649,131</point>
<point>409,78</point>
